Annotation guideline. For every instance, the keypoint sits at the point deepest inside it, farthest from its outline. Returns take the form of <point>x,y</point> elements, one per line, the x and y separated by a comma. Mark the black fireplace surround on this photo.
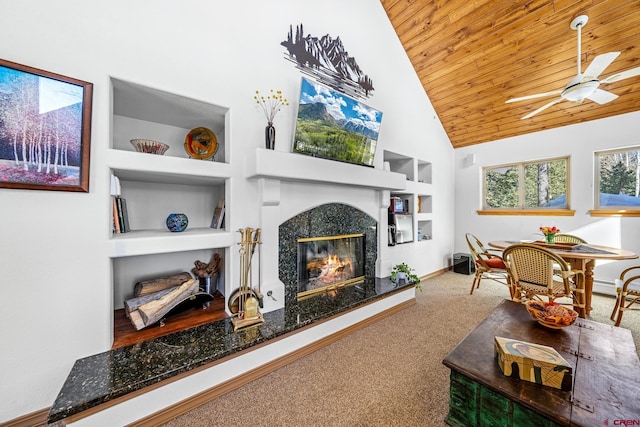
<point>332,219</point>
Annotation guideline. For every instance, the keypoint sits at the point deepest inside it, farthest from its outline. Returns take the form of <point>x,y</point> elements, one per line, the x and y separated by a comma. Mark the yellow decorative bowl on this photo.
<point>551,315</point>
<point>149,146</point>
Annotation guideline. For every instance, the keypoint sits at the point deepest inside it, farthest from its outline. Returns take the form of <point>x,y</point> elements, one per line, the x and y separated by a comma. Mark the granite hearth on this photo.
<point>102,378</point>
<point>98,380</point>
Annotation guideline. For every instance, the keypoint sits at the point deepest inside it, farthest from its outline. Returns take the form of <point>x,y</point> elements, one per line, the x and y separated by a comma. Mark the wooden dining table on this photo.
<point>580,257</point>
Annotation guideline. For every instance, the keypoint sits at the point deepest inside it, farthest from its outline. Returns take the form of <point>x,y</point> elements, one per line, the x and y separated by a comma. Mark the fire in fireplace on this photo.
<point>327,263</point>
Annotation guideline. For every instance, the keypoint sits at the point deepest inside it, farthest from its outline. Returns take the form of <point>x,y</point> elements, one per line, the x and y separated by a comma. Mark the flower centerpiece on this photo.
<point>270,104</point>
<point>549,234</point>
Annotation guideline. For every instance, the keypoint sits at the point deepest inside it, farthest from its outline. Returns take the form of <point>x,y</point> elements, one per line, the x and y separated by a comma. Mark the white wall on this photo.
<point>56,292</point>
<point>577,141</point>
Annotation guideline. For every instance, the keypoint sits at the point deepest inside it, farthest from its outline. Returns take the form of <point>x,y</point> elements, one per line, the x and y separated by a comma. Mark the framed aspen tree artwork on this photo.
<point>45,129</point>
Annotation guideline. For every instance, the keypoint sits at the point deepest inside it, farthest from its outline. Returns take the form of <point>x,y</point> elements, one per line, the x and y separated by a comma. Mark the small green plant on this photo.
<point>408,272</point>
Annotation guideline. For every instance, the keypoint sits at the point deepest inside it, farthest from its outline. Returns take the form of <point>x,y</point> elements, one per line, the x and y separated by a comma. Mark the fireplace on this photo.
<point>326,263</point>
<point>348,237</point>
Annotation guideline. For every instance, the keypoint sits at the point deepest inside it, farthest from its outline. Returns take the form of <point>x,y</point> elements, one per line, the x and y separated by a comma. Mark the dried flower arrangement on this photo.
<point>271,104</point>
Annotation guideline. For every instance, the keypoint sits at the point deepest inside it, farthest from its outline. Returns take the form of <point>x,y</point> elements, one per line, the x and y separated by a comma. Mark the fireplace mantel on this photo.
<point>284,166</point>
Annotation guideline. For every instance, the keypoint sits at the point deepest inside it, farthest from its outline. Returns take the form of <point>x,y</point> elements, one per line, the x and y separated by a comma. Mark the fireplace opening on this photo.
<point>327,263</point>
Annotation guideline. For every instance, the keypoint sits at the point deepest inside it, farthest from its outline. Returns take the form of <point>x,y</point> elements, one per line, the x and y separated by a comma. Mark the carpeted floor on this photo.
<point>388,374</point>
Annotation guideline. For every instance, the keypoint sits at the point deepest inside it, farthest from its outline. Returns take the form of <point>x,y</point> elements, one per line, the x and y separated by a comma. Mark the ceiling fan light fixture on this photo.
<point>584,85</point>
<point>580,91</point>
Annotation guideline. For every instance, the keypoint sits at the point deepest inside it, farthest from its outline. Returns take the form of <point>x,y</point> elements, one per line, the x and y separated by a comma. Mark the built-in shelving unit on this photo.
<point>417,192</point>
<point>155,186</point>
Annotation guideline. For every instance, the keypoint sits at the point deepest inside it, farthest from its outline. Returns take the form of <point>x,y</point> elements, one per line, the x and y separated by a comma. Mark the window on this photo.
<point>527,186</point>
<point>618,179</point>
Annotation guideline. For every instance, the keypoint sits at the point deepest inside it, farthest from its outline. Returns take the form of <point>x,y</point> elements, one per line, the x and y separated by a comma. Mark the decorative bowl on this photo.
<point>552,315</point>
<point>149,146</point>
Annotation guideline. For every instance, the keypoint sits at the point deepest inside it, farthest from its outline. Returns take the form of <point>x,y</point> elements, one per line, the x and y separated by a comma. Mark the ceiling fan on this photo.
<point>584,85</point>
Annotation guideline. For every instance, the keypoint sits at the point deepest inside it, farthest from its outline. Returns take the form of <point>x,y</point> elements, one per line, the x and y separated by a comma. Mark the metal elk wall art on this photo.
<point>45,129</point>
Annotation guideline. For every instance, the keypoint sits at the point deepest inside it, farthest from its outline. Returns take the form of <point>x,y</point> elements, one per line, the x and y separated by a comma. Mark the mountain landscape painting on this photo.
<point>333,126</point>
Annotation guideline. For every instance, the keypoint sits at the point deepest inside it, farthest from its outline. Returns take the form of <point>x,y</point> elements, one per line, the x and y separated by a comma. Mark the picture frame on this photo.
<point>45,129</point>
<point>334,126</point>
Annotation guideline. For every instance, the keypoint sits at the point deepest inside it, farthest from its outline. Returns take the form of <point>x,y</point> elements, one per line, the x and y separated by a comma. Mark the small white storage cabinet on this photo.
<point>155,186</point>
<point>418,191</point>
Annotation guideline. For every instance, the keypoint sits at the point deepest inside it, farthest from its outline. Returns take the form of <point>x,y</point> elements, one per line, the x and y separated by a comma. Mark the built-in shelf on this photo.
<point>286,166</point>
<point>425,230</point>
<point>147,242</point>
<point>124,334</point>
<point>140,111</point>
<point>424,172</point>
<point>425,204</point>
<point>155,186</point>
<point>417,191</point>
<point>134,166</point>
<point>401,164</point>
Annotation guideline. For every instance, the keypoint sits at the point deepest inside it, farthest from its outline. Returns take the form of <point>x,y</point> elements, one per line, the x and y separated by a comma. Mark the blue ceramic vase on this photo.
<point>177,222</point>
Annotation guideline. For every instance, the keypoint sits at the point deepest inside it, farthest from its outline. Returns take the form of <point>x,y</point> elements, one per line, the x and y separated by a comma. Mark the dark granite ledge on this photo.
<point>103,377</point>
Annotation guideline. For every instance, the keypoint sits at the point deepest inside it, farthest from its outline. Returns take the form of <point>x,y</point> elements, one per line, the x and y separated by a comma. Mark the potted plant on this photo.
<point>402,274</point>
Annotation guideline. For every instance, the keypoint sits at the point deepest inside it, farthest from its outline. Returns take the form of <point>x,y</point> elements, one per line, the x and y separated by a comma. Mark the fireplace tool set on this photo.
<point>246,301</point>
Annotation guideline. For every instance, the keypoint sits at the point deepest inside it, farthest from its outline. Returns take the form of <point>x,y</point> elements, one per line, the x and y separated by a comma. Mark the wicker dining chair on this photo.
<point>538,273</point>
<point>489,264</point>
<point>627,293</point>
<point>569,238</point>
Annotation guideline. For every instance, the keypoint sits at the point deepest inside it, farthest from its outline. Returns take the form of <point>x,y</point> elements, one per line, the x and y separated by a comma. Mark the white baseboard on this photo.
<point>605,288</point>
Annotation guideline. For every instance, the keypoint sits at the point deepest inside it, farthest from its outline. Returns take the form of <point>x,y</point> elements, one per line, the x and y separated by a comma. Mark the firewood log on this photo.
<point>154,310</point>
<point>150,286</point>
<point>133,303</point>
<point>136,320</point>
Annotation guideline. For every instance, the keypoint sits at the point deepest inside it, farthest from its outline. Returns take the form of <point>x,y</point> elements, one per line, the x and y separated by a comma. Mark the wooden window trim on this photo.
<point>614,212</point>
<point>528,212</point>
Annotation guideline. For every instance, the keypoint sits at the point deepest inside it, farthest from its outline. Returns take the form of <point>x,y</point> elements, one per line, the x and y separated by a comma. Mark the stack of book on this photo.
<point>218,215</point>
<point>120,215</point>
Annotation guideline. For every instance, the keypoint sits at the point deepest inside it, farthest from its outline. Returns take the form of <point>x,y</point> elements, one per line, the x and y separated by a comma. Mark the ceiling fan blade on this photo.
<point>544,107</point>
<point>537,95</point>
<point>602,96</point>
<point>622,75</point>
<point>598,65</point>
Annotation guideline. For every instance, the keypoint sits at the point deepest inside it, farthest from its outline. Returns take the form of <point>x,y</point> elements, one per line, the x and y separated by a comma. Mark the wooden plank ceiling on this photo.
<point>473,55</point>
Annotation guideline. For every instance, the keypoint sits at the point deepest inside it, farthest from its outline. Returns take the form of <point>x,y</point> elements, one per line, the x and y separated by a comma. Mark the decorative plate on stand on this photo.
<point>201,143</point>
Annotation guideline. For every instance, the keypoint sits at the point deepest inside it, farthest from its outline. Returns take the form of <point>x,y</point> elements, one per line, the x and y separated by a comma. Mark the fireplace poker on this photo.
<point>253,240</point>
<point>259,294</point>
<point>242,284</point>
<point>246,257</point>
<point>256,241</point>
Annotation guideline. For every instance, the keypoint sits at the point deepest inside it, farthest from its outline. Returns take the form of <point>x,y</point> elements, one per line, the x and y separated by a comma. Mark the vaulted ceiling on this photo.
<point>473,55</point>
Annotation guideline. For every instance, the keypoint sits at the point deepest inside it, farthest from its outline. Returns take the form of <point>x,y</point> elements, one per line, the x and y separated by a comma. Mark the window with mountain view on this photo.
<point>618,178</point>
<point>528,185</point>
